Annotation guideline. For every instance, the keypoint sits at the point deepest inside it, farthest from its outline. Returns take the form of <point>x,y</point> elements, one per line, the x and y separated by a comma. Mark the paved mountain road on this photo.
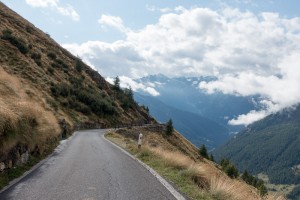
<point>87,167</point>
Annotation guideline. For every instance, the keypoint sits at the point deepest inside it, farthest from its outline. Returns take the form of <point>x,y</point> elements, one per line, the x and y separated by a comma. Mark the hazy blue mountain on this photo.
<point>199,130</point>
<point>271,146</point>
<point>184,94</point>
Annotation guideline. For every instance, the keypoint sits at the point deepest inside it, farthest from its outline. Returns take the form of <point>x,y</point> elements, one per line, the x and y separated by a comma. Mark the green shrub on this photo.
<point>17,42</point>
<point>76,82</point>
<point>29,29</point>
<point>50,70</point>
<point>60,90</point>
<point>83,99</point>
<point>251,180</point>
<point>80,107</point>
<point>37,58</point>
<point>229,168</point>
<point>231,171</point>
<point>79,65</point>
<point>61,64</point>
<point>51,55</point>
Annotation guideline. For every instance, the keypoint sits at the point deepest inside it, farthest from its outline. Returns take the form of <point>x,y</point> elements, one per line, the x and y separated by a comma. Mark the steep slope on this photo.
<point>177,160</point>
<point>269,146</point>
<point>45,92</point>
<point>197,129</point>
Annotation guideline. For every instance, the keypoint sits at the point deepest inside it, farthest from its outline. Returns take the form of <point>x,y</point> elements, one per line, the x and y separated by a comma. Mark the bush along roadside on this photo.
<point>232,172</point>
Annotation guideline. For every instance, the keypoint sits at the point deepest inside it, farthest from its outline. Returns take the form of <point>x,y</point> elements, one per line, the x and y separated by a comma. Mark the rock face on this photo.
<point>17,156</point>
<point>2,166</point>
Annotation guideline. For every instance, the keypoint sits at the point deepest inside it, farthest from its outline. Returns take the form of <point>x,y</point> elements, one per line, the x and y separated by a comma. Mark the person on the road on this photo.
<point>140,141</point>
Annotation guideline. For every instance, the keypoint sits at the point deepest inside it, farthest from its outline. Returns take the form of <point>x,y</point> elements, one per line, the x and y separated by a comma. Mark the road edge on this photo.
<point>165,183</point>
<point>40,163</point>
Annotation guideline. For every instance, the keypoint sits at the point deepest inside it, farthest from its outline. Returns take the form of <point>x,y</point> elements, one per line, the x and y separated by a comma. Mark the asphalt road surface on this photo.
<point>87,167</point>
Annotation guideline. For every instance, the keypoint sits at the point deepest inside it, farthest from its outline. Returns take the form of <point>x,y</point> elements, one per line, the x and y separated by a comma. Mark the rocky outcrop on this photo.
<point>17,156</point>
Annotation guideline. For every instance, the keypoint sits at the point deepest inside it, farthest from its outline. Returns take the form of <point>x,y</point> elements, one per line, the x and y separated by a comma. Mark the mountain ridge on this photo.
<point>197,129</point>
<point>269,146</point>
<point>184,93</point>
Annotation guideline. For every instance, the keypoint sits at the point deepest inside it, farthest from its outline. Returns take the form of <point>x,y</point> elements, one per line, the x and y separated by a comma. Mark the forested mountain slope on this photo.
<point>269,146</point>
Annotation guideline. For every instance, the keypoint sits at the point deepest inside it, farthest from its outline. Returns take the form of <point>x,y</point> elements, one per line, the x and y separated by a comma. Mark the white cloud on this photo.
<point>67,10</point>
<point>42,3</point>
<point>278,91</point>
<point>126,82</point>
<point>154,9</point>
<point>152,91</point>
<point>113,21</point>
<point>250,54</point>
<point>248,118</point>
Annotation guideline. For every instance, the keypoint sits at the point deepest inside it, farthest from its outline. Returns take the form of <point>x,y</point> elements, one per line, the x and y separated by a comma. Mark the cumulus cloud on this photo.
<point>113,21</point>
<point>251,54</point>
<point>110,59</point>
<point>126,82</point>
<point>42,3</point>
<point>67,10</point>
<point>277,92</point>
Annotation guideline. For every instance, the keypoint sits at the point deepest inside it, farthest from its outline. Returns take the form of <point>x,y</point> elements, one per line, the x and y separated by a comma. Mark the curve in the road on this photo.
<point>88,167</point>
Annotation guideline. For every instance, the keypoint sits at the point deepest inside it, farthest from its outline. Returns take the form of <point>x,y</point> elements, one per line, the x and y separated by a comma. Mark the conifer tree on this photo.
<point>203,151</point>
<point>117,83</point>
<point>169,128</point>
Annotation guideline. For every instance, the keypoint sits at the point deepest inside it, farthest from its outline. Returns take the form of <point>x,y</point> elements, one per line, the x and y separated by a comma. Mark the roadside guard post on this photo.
<point>140,141</point>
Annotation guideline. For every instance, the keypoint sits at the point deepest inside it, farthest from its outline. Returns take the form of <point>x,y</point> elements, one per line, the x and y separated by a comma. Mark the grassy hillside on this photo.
<point>45,92</point>
<point>177,160</point>
<point>269,146</point>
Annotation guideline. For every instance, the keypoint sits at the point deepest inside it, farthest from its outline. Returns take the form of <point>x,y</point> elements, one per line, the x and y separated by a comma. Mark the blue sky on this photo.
<point>135,14</point>
<point>252,47</point>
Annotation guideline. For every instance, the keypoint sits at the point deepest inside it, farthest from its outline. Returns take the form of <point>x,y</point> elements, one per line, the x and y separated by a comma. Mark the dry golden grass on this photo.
<point>208,177</point>
<point>178,153</point>
<point>16,108</point>
<point>8,117</point>
<point>173,158</point>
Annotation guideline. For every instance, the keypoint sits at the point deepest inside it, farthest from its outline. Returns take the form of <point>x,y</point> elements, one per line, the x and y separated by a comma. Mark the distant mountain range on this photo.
<point>199,130</point>
<point>201,117</point>
<point>270,146</point>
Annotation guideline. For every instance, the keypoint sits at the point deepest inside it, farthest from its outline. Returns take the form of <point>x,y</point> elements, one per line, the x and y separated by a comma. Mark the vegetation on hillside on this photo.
<point>169,128</point>
<point>45,92</point>
<point>203,152</point>
<point>16,41</point>
<point>178,161</point>
<point>23,121</point>
<point>269,146</point>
